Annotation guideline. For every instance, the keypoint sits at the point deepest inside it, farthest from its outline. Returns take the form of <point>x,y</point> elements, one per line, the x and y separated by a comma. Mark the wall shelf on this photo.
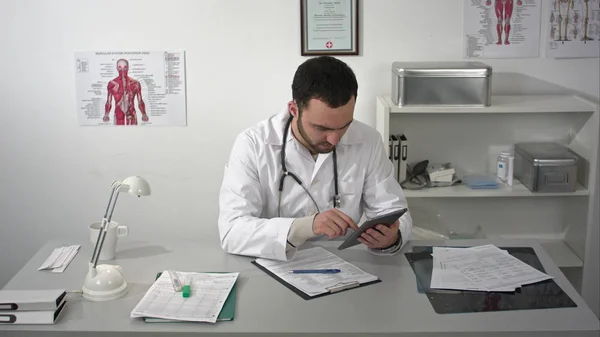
<point>505,104</point>
<point>561,253</point>
<point>463,191</point>
<point>471,137</point>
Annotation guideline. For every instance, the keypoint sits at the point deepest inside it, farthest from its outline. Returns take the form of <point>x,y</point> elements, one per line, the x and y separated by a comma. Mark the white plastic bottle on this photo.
<point>502,165</point>
<point>510,170</point>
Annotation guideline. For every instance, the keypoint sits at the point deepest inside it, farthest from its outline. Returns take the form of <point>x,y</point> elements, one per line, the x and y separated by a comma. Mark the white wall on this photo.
<point>241,56</point>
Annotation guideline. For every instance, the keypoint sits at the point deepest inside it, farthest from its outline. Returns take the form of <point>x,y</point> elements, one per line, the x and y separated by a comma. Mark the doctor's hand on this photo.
<point>332,223</point>
<point>383,237</point>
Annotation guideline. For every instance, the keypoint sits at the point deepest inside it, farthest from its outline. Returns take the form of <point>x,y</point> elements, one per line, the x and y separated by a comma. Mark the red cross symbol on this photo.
<point>329,44</point>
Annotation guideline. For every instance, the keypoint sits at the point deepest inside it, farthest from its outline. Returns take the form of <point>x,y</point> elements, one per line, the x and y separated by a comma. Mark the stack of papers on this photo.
<point>60,258</point>
<point>209,292</point>
<point>481,268</point>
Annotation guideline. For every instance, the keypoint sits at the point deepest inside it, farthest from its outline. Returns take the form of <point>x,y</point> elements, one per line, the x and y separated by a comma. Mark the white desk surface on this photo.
<point>264,307</point>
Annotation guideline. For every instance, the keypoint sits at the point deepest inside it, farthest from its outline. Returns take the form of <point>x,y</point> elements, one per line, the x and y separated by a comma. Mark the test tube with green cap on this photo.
<point>187,287</point>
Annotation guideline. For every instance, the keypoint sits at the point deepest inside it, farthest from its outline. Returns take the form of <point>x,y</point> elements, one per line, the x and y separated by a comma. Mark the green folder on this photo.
<point>226,313</point>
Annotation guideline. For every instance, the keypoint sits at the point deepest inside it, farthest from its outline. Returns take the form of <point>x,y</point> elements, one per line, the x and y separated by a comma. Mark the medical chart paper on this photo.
<point>316,284</point>
<point>130,88</point>
<point>444,277</point>
<point>573,29</point>
<point>501,29</point>
<point>208,295</point>
<point>481,268</point>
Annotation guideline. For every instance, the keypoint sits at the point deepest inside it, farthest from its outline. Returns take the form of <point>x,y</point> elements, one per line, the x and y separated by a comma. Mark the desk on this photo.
<point>266,308</point>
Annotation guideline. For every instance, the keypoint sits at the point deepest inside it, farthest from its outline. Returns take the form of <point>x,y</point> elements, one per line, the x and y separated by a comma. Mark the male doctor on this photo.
<point>310,171</point>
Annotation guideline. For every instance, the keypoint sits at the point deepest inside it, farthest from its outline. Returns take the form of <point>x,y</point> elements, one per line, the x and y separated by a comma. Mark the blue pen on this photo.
<point>316,271</point>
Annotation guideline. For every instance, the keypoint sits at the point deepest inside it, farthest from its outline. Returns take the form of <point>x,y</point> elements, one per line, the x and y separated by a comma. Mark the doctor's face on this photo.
<point>322,127</point>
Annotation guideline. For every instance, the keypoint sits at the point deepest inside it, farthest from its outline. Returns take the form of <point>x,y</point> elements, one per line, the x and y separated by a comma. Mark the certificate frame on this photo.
<point>309,39</point>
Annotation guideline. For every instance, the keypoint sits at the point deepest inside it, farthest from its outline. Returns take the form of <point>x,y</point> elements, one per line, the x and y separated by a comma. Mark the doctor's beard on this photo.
<point>321,147</point>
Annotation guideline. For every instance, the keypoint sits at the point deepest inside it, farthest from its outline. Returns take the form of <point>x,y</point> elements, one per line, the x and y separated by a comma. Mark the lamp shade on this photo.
<point>136,185</point>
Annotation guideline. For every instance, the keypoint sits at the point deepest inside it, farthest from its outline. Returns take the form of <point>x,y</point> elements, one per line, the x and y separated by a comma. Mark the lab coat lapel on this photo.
<point>303,151</point>
<point>321,159</point>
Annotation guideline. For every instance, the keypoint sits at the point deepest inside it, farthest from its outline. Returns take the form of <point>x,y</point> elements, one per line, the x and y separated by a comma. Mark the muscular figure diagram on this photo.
<point>504,10</point>
<point>124,89</point>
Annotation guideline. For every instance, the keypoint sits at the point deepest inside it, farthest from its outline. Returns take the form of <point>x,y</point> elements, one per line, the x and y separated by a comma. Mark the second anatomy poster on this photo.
<point>502,28</point>
<point>130,88</point>
<point>574,29</point>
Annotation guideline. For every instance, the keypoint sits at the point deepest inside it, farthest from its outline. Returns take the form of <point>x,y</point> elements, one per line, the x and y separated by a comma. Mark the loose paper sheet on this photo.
<point>481,268</point>
<point>60,258</point>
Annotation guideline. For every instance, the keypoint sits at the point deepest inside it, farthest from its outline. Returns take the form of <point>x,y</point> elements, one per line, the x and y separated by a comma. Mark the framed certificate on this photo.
<point>329,27</point>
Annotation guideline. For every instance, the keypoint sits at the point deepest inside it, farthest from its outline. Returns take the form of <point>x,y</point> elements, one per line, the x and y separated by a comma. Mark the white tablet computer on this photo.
<point>386,219</point>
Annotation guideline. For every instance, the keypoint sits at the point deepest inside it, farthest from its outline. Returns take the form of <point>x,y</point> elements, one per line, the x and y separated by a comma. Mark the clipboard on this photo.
<point>332,290</point>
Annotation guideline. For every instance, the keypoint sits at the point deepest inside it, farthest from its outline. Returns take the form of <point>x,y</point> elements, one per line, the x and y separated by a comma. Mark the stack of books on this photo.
<point>31,306</point>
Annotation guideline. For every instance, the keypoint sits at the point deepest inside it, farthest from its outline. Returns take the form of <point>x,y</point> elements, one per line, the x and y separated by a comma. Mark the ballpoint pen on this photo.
<point>315,271</point>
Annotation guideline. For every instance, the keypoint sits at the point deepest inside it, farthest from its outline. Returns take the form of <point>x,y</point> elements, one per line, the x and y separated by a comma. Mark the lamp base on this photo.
<point>104,283</point>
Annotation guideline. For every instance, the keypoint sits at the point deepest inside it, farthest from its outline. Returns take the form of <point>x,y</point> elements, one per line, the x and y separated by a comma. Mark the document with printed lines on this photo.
<point>209,292</point>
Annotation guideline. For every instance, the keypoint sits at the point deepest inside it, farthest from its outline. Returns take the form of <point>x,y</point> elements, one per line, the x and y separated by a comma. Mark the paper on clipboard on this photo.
<point>317,284</point>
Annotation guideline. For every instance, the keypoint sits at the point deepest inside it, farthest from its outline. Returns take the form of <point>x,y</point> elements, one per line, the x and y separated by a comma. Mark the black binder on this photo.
<point>334,290</point>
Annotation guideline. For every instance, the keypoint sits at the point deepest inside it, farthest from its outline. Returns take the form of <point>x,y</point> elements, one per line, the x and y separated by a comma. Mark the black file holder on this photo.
<point>345,286</point>
<point>542,295</point>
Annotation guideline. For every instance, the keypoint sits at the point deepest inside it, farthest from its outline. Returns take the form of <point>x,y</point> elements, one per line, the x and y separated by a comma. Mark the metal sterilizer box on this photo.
<point>546,167</point>
<point>441,83</point>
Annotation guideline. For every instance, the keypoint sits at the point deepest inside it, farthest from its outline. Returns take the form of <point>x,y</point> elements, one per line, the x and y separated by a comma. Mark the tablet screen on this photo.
<point>386,219</point>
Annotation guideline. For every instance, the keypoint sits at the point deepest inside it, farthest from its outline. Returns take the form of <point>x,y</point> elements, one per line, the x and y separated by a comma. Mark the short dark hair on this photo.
<point>325,78</point>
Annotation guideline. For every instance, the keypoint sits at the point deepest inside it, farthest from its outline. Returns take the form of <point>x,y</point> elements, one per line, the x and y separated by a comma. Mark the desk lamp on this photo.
<point>106,282</point>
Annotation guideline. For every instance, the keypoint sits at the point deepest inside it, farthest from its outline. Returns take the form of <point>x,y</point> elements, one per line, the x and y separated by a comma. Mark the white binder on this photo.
<point>402,157</point>
<point>391,151</point>
<point>32,317</point>
<point>31,300</point>
<point>395,153</point>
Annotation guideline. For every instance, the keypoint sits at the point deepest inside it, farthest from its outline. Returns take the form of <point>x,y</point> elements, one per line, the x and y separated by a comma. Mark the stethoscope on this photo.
<point>336,196</point>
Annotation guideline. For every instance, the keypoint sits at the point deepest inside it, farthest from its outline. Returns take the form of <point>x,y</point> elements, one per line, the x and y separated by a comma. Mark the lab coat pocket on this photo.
<point>350,199</point>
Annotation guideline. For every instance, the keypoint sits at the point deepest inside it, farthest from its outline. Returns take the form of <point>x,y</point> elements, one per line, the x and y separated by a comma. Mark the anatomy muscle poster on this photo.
<point>573,29</point>
<point>502,28</point>
<point>130,88</point>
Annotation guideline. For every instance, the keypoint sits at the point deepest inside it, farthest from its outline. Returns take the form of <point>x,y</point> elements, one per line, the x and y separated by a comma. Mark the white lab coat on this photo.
<point>248,221</point>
